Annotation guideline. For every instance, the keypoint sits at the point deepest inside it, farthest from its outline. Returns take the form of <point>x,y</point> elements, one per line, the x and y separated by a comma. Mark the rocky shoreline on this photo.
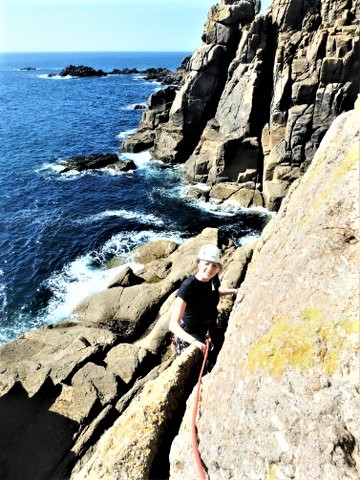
<point>102,396</point>
<point>266,111</point>
<point>162,75</point>
<point>89,368</point>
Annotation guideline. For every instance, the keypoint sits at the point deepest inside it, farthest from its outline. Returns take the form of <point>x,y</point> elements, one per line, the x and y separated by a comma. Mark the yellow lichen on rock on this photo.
<point>314,341</point>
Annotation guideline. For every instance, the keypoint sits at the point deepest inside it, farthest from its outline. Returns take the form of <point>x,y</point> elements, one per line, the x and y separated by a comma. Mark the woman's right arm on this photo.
<point>176,328</point>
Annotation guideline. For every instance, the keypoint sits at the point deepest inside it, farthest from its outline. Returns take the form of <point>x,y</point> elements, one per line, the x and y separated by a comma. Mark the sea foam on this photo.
<point>128,215</point>
<point>81,278</point>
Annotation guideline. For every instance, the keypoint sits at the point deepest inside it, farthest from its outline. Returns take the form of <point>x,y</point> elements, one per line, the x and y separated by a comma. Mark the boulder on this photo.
<point>99,378</point>
<point>96,161</point>
<point>158,335</point>
<point>30,359</point>
<point>245,195</point>
<point>124,361</point>
<point>126,311</point>
<point>155,250</point>
<point>125,278</point>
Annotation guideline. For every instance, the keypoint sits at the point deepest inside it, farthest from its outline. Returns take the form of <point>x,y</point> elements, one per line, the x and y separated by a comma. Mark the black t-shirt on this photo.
<point>201,300</point>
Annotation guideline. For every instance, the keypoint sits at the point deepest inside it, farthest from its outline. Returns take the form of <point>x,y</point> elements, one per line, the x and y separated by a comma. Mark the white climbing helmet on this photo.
<point>210,253</point>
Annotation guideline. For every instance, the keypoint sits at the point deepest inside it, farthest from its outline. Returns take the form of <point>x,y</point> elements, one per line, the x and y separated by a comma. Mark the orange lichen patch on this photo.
<point>312,342</point>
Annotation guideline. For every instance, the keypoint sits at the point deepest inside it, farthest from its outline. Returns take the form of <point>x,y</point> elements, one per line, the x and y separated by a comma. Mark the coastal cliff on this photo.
<point>102,396</point>
<point>260,93</point>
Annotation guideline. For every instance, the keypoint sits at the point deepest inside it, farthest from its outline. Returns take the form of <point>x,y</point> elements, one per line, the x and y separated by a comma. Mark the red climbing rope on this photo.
<point>193,423</point>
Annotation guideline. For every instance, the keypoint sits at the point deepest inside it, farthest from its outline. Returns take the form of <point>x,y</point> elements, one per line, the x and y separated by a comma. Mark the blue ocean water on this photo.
<point>58,232</point>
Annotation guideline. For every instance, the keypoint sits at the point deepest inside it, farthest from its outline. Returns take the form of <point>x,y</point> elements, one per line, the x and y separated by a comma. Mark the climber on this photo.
<point>195,309</point>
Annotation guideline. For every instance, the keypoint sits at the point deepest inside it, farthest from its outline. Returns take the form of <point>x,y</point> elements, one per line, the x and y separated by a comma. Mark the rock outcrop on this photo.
<point>156,113</point>
<point>65,385</point>
<point>81,71</point>
<point>283,399</point>
<point>96,161</point>
<point>261,93</point>
<point>162,75</point>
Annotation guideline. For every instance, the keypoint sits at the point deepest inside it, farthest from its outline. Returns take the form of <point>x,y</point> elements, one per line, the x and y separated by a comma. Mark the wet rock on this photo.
<point>96,161</point>
<point>81,71</point>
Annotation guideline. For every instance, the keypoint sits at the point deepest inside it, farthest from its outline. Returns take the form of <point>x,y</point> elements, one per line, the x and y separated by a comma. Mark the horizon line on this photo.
<point>96,51</point>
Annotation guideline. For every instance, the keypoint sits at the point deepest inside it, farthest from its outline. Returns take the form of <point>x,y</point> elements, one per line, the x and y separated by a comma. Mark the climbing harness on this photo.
<point>193,423</point>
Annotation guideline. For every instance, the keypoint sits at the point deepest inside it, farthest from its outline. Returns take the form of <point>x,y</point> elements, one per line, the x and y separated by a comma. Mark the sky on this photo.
<point>103,25</point>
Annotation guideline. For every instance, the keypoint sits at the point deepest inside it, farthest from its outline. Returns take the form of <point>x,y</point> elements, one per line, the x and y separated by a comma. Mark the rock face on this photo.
<point>96,161</point>
<point>261,92</point>
<point>63,387</point>
<point>92,400</point>
<point>283,399</point>
<point>157,112</point>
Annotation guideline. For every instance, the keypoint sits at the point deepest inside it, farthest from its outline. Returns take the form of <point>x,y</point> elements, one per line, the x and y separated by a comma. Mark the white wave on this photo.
<point>112,172</point>
<point>56,168</point>
<point>132,106</point>
<point>3,297</point>
<point>126,133</point>
<point>214,207</point>
<point>219,207</point>
<point>80,278</point>
<point>50,168</point>
<point>77,280</point>
<point>250,238</point>
<point>263,211</point>
<point>75,175</point>
<point>139,76</point>
<point>122,243</point>
<point>128,215</point>
<point>203,187</point>
<point>55,77</point>
<point>141,159</point>
<point>230,208</point>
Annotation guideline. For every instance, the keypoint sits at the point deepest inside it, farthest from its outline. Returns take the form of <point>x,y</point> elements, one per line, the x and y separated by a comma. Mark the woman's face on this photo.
<point>207,270</point>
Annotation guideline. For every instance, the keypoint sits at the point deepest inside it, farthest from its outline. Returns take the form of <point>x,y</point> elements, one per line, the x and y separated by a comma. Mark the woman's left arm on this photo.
<point>228,291</point>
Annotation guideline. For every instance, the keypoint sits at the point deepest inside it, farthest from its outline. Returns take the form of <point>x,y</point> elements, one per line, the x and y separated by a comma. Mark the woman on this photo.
<point>195,308</point>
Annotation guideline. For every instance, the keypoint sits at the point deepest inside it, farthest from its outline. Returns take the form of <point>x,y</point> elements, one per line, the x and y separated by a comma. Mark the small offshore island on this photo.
<point>266,114</point>
<point>162,75</point>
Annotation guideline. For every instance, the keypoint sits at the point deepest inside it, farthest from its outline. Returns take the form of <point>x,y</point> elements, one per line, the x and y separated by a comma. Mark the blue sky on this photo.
<point>102,25</point>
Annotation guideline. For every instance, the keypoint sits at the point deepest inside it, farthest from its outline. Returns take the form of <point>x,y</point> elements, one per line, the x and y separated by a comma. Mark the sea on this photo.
<point>60,232</point>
